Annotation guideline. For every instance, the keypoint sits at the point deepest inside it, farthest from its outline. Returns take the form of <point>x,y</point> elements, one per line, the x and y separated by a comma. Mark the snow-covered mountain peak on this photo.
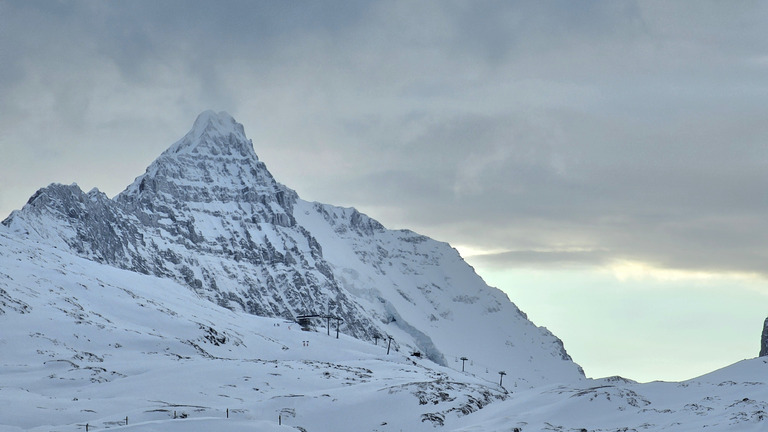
<point>216,133</point>
<point>209,215</point>
<point>213,162</point>
<point>221,120</point>
<point>213,136</point>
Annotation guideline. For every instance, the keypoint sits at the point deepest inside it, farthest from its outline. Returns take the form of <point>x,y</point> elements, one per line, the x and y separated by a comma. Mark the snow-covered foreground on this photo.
<point>83,343</point>
<point>731,399</point>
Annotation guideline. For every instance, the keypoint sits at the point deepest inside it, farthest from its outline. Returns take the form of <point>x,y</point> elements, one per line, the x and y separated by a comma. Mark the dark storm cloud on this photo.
<point>558,131</point>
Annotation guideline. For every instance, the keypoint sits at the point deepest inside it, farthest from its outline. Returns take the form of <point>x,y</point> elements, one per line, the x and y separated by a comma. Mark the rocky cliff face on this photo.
<point>206,213</point>
<point>764,340</point>
<point>209,214</point>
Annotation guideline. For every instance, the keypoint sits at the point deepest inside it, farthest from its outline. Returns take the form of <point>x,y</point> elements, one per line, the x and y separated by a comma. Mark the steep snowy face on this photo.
<point>424,291</point>
<point>208,214</point>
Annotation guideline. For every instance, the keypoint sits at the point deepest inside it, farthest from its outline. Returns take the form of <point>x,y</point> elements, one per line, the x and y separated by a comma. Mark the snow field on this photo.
<point>98,349</point>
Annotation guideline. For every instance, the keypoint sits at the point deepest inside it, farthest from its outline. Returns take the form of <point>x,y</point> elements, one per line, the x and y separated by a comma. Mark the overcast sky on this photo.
<point>603,162</point>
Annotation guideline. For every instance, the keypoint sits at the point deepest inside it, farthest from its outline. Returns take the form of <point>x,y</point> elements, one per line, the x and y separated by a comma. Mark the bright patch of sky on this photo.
<point>638,322</point>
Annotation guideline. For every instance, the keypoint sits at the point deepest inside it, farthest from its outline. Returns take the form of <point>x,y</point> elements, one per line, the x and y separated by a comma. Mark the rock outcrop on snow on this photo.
<point>208,214</point>
<point>764,340</point>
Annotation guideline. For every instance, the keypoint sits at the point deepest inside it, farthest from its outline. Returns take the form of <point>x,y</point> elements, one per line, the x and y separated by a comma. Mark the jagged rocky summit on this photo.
<point>208,213</point>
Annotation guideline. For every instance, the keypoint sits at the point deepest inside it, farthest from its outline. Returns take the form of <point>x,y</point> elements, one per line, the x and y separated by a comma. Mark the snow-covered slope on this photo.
<point>734,398</point>
<point>209,215</point>
<point>86,343</point>
<point>425,290</point>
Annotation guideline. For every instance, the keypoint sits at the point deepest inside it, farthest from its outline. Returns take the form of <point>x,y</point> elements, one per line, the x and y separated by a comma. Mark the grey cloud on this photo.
<point>635,129</point>
<point>681,198</point>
